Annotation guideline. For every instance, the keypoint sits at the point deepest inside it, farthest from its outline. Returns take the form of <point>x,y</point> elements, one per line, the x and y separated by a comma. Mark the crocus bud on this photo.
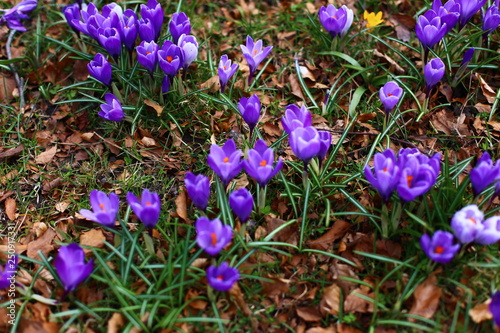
<point>109,38</point>
<point>100,69</point>
<point>147,209</point>
<point>241,202</point>
<point>128,29</point>
<point>250,110</point>
<point>71,267</point>
<point>390,94</point>
<point>226,70</point>
<point>8,272</point>
<point>305,143</point>
<point>198,189</point>
<point>433,73</point>
<point>179,25</point>
<point>491,20</point>
<point>467,9</point>
<point>154,13</point>
<point>296,117</point>
<point>484,173</point>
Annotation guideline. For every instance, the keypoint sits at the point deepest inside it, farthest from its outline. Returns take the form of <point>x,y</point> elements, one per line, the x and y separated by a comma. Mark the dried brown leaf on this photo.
<point>337,231</point>
<point>12,152</point>
<point>309,313</point>
<point>43,244</point>
<point>115,323</point>
<point>10,208</point>
<point>46,156</point>
<point>488,92</point>
<point>426,296</point>
<point>158,108</point>
<point>481,312</point>
<point>93,237</point>
<point>330,301</point>
<point>180,204</point>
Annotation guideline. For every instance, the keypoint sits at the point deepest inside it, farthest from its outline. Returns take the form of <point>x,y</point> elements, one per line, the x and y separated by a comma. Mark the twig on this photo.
<point>19,80</point>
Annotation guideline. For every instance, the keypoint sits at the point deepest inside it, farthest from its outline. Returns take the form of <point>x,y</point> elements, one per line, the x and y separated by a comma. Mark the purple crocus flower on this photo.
<point>128,29</point>
<point>8,272</point>
<point>390,94</point>
<point>241,203</point>
<point>254,54</point>
<point>417,176</point>
<point>223,277</point>
<point>433,73</point>
<point>494,308</point>
<point>467,9</point>
<point>259,164</point>
<point>250,110</point>
<point>430,29</point>
<point>109,38</point>
<point>170,58</point>
<point>189,47</point>
<point>325,142</point>
<point>336,21</point>
<point>112,109</point>
<point>305,143</point>
<point>12,17</point>
<point>147,209</point>
<point>100,69</point>
<point>491,20</point>
<point>296,117</point>
<point>146,30</point>
<point>226,70</point>
<point>225,161</point>
<point>104,208</point>
<point>87,12</point>
<point>490,231</point>
<point>212,236</point>
<point>154,13</point>
<point>198,189</point>
<point>449,12</point>
<point>468,56</point>
<point>386,173</point>
<point>72,12</point>
<point>147,55</point>
<point>484,173</point>
<point>71,267</point>
<point>467,223</point>
<point>179,25</point>
<point>440,247</point>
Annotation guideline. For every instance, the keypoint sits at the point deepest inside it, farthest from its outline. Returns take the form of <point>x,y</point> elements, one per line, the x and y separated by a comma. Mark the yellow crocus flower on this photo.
<point>372,19</point>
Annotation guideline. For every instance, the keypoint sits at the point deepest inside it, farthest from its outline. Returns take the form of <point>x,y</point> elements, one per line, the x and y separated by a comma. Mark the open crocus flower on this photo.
<point>449,12</point>
<point>386,173</point>
<point>490,231</point>
<point>170,58</point>
<point>12,17</point>
<point>372,19</point>
<point>259,164</point>
<point>296,117</point>
<point>225,161</point>
<point>467,223</point>
<point>223,277</point>
<point>147,209</point>
<point>336,21</point>
<point>484,173</point>
<point>390,94</point>
<point>71,267</point>
<point>212,236</point>
<point>110,39</point>
<point>241,203</point>
<point>254,54</point>
<point>147,55</point>
<point>198,189</point>
<point>112,109</point>
<point>440,247</point>
<point>226,70</point>
<point>104,208</point>
<point>128,29</point>
<point>418,175</point>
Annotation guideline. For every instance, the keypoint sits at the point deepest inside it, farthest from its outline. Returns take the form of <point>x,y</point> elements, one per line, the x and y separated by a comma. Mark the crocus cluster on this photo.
<point>304,139</point>
<point>411,174</point>
<point>336,21</point>
<point>484,174</point>
<point>71,267</point>
<point>468,225</point>
<point>12,17</point>
<point>8,272</point>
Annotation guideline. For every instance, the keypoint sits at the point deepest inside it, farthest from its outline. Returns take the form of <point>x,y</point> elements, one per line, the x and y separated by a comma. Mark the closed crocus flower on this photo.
<point>179,25</point>
<point>336,21</point>
<point>225,161</point>
<point>109,38</point>
<point>467,9</point>
<point>390,94</point>
<point>212,236</point>
<point>198,189</point>
<point>147,55</point>
<point>146,30</point>
<point>154,13</point>
<point>254,54</point>
<point>112,109</point>
<point>430,29</point>
<point>433,73</point>
<point>128,29</point>
<point>241,203</point>
<point>467,223</point>
<point>223,277</point>
<point>12,17</point>
<point>189,47</point>
<point>440,247</point>
<point>225,70</point>
<point>7,273</point>
<point>490,231</point>
<point>250,110</point>
<point>296,117</point>
<point>260,163</point>
<point>386,173</point>
<point>305,143</point>
<point>72,12</point>
<point>494,308</point>
<point>449,12</point>
<point>491,20</point>
<point>100,69</point>
<point>484,173</point>
<point>104,208</point>
<point>170,58</point>
<point>71,267</point>
<point>325,143</point>
<point>147,209</point>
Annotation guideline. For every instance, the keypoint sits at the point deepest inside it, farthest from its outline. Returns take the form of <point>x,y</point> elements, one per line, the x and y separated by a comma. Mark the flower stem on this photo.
<point>385,221</point>
<point>306,204</point>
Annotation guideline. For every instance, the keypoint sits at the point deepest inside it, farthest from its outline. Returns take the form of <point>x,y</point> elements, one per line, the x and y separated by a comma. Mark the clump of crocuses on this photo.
<point>440,247</point>
<point>71,267</point>
<point>104,208</point>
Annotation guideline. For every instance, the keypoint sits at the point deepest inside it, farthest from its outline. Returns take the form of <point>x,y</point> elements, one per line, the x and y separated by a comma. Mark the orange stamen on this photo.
<point>169,58</point>
<point>220,277</point>
<point>147,52</point>
<point>148,204</point>
<point>439,249</point>
<point>214,238</point>
<point>225,160</point>
<point>389,94</point>
<point>101,205</point>
<point>225,67</point>
<point>385,170</point>
<point>472,220</point>
<point>263,163</point>
<point>409,179</point>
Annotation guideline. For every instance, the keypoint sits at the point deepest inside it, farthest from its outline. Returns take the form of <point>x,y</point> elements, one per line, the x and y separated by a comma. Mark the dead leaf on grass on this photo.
<point>115,323</point>
<point>93,237</point>
<point>481,312</point>
<point>46,156</point>
<point>330,301</point>
<point>10,208</point>
<point>43,244</point>
<point>426,296</point>
<point>309,313</point>
<point>158,108</point>
<point>180,204</point>
<point>337,231</point>
<point>488,92</point>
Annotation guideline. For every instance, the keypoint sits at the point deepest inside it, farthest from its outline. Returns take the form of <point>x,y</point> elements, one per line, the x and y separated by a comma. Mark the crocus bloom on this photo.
<point>146,30</point>
<point>494,308</point>
<point>12,17</point>
<point>179,25</point>
<point>112,109</point>
<point>433,73</point>
<point>212,236</point>
<point>87,12</point>
<point>467,223</point>
<point>430,29</point>
<point>386,173</point>
<point>8,272</point>
<point>296,117</point>
<point>72,12</point>
<point>198,189</point>
<point>484,173</point>
<point>147,209</point>
<point>254,54</point>
<point>259,164</point>
<point>467,9</point>
<point>104,208</point>
<point>189,47</point>
<point>250,110</point>
<point>390,94</point>
<point>153,12</point>
<point>100,69</point>
<point>225,161</point>
<point>325,139</point>
<point>305,143</point>
<point>226,70</point>
<point>417,176</point>
<point>147,55</point>
<point>449,12</point>
<point>372,19</point>
<point>71,267</point>
<point>336,21</point>
<point>491,20</point>
<point>468,56</point>
<point>222,277</point>
<point>170,58</point>
<point>440,247</point>
<point>109,38</point>
<point>241,203</point>
<point>128,29</point>
<point>490,231</point>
